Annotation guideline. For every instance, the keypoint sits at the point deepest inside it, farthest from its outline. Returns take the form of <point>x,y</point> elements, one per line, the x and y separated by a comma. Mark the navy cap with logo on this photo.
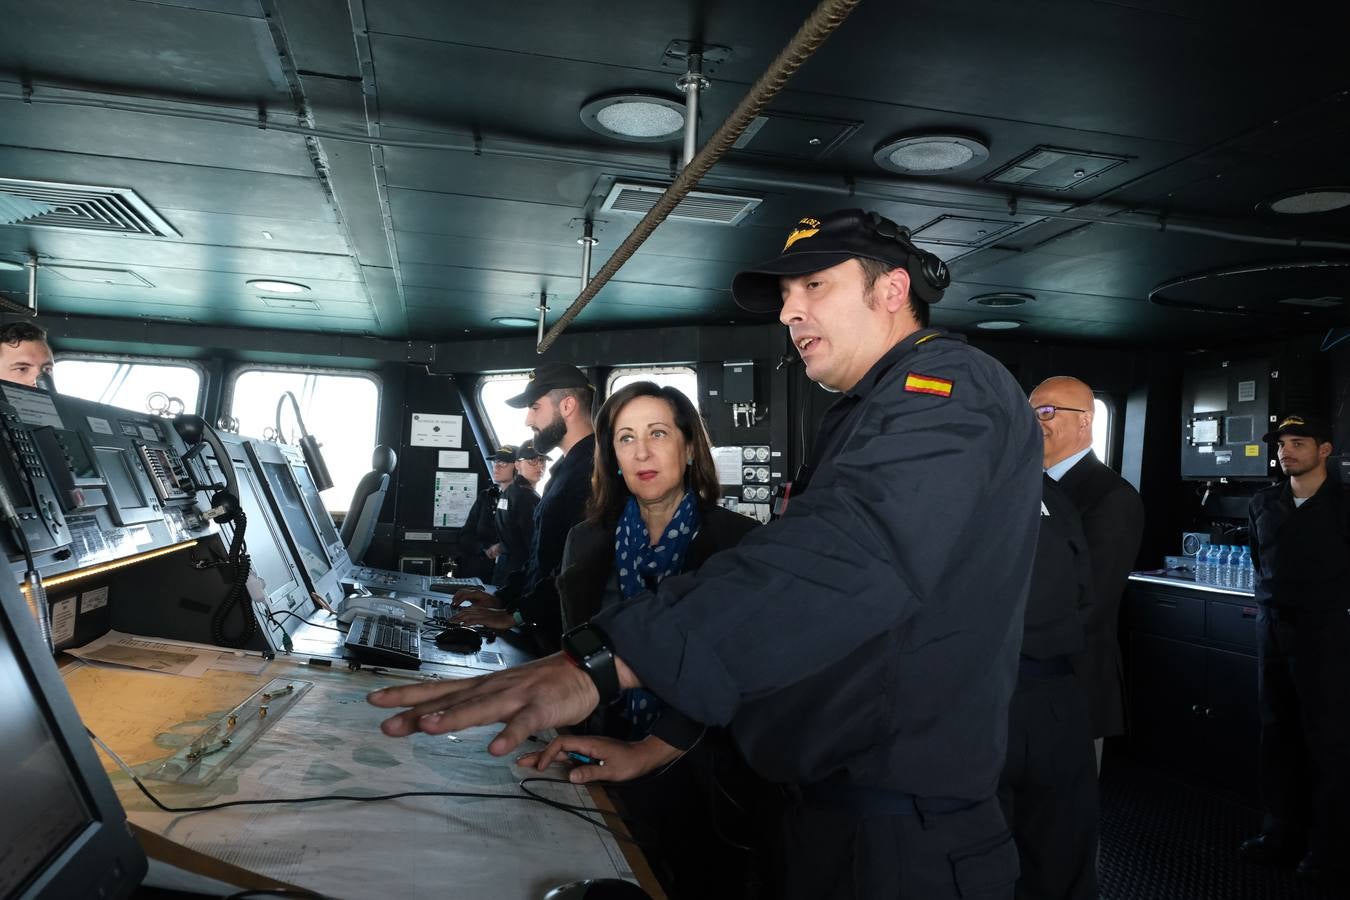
<point>527,451</point>
<point>816,244</point>
<point>547,378</point>
<point>505,454</point>
<point>1300,426</point>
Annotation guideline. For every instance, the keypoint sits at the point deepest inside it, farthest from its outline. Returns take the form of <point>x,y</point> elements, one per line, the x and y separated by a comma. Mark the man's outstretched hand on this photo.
<point>542,694</point>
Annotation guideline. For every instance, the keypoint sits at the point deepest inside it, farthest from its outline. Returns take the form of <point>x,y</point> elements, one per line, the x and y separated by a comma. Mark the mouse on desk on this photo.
<point>459,639</point>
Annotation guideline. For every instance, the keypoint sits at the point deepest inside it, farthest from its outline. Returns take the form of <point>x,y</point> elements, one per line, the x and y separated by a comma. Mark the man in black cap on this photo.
<point>1300,540</point>
<point>914,524</point>
<point>558,403</point>
<point>514,516</point>
<point>479,544</point>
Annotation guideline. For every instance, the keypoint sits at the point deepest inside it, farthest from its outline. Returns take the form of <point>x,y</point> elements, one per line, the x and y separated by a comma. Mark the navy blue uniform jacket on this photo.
<point>870,635</point>
<point>1301,555</point>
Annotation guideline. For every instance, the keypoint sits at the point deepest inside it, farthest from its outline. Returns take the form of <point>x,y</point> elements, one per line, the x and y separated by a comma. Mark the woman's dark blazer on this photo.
<point>587,583</point>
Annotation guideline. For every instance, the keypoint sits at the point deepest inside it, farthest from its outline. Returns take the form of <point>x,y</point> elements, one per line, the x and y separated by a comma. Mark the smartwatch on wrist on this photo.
<point>587,647</point>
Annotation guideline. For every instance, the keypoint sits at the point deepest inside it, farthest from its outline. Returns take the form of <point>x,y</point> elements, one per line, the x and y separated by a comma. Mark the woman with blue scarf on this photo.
<point>653,514</point>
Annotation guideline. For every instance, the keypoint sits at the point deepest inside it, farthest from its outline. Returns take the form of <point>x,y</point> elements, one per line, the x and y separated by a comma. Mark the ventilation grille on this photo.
<point>87,208</point>
<point>698,206</point>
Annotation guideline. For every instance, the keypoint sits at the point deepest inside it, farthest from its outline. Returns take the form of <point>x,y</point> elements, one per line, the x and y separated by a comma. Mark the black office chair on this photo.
<point>359,525</point>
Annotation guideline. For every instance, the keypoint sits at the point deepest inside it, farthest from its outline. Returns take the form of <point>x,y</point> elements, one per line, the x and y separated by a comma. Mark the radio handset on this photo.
<point>197,434</point>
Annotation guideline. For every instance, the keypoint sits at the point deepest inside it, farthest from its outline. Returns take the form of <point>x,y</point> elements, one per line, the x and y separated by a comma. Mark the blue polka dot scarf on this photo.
<point>641,566</point>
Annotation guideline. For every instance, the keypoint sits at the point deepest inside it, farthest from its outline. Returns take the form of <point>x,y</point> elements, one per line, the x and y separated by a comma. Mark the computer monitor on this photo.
<point>268,553</point>
<point>64,833</point>
<point>291,505</point>
<point>322,518</point>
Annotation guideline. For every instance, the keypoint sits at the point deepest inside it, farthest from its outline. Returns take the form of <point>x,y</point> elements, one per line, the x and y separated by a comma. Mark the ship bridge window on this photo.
<point>682,378</point>
<point>340,410</point>
<point>508,423</point>
<point>142,385</point>
<point>1101,429</point>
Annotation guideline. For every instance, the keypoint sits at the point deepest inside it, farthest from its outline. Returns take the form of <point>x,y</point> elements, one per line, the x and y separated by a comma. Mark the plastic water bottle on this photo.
<point>1209,563</point>
<point>1248,576</point>
<point>1227,565</point>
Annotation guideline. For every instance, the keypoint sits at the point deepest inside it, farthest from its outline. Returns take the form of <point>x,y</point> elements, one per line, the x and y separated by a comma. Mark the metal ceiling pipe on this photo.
<point>32,282</point>
<point>543,311</point>
<point>587,241</point>
<point>691,83</point>
<point>822,22</point>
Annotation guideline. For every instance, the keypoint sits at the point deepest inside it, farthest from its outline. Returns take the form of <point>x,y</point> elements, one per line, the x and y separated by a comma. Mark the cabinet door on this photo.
<point>1233,720</point>
<point>1167,702</point>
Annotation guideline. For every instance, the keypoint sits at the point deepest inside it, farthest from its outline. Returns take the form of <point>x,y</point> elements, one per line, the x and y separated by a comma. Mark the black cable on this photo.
<point>238,559</point>
<point>526,795</point>
<point>287,612</point>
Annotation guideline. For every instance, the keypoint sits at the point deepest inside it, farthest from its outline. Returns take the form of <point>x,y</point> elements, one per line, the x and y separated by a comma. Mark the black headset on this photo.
<point>934,276</point>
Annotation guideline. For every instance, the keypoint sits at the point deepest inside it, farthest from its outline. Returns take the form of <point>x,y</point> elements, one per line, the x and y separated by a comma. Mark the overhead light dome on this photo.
<point>278,287</point>
<point>931,154</point>
<point>8,266</point>
<point>998,324</point>
<point>1003,299</point>
<point>634,116</point>
<point>514,321</point>
<point>1308,201</point>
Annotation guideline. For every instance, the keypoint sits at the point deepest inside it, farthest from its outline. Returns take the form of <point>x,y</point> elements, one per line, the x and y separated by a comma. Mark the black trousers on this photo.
<point>1048,789</point>
<point>835,853</point>
<point>1304,692</point>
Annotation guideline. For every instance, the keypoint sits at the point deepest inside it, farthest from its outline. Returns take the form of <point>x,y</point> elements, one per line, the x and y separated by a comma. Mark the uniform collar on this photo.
<point>1061,468</point>
<point>892,356</point>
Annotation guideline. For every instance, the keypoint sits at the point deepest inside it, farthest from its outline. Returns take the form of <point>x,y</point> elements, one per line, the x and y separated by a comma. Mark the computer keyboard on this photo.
<point>451,585</point>
<point>386,641</point>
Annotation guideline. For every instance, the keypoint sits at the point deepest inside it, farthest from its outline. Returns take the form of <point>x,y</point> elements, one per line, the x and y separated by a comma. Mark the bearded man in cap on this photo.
<point>1300,540</point>
<point>558,403</point>
<point>913,525</point>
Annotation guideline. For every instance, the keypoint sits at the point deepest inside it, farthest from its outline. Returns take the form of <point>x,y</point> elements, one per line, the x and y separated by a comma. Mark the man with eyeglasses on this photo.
<point>1113,520</point>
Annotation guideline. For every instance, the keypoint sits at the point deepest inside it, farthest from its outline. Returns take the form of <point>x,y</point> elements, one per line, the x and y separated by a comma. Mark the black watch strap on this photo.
<point>587,646</point>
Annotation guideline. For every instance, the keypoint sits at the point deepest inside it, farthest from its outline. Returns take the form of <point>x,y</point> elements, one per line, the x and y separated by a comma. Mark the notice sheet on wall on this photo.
<point>436,430</point>
<point>454,496</point>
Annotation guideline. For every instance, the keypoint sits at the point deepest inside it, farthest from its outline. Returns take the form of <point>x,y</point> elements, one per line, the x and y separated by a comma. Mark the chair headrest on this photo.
<point>384,459</point>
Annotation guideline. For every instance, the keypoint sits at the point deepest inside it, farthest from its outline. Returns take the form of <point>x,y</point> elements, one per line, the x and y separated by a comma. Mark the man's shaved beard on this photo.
<point>550,436</point>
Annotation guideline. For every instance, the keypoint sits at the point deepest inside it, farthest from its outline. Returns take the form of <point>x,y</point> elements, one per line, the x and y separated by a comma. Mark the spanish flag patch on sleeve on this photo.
<point>928,384</point>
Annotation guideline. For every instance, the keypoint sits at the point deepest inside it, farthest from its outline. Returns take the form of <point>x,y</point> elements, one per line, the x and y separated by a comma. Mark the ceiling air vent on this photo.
<point>87,208</point>
<point>697,206</point>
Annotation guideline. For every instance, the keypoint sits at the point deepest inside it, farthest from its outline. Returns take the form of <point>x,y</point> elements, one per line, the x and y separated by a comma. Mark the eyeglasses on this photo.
<point>1046,413</point>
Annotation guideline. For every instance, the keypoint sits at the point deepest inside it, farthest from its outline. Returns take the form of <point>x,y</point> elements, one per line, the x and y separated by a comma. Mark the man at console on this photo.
<point>558,402</point>
<point>25,355</point>
<point>863,647</point>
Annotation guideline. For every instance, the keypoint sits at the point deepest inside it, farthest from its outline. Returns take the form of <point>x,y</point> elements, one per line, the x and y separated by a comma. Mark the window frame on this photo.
<point>203,376</point>
<point>660,369</point>
<point>227,392</point>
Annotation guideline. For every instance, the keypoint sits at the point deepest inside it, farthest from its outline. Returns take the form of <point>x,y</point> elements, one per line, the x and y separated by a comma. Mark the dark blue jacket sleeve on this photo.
<point>885,520</point>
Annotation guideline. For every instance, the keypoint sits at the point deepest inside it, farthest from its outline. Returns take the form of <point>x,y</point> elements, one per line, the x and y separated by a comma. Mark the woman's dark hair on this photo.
<point>608,491</point>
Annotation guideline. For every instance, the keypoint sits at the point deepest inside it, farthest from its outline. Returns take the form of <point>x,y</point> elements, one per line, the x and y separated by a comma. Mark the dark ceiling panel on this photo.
<point>1211,107</point>
<point>143,46</point>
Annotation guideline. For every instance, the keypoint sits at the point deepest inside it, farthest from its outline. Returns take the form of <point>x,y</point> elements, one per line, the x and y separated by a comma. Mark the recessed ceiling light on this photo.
<point>279,287</point>
<point>1325,302</point>
<point>931,154</point>
<point>634,116</point>
<point>514,321</point>
<point>998,324</point>
<point>7,266</point>
<point>1003,299</point>
<point>1308,201</point>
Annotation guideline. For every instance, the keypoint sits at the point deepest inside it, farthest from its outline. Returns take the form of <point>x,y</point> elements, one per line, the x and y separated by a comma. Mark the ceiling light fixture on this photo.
<point>513,321</point>
<point>1307,201</point>
<point>8,266</point>
<point>278,287</point>
<point>931,154</point>
<point>1003,299</point>
<point>998,324</point>
<point>634,116</point>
